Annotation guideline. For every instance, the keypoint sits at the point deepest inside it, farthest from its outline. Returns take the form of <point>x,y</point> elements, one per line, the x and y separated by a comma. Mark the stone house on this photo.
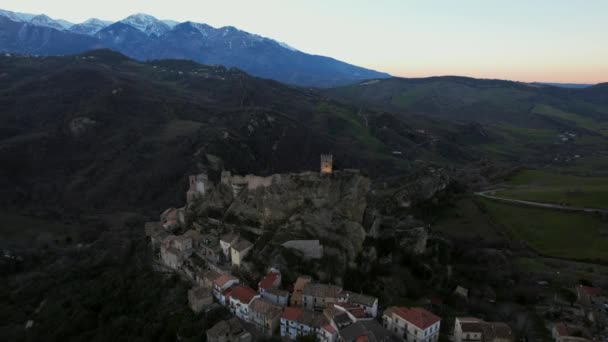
<point>317,296</point>
<point>196,187</point>
<point>210,249</point>
<point>239,251</point>
<point>277,296</point>
<point>297,322</point>
<point>228,331</point>
<point>296,296</point>
<point>369,330</point>
<point>207,278</point>
<point>412,324</point>
<point>226,241</point>
<point>265,315</point>
<point>221,284</point>
<point>172,257</point>
<point>474,329</point>
<point>240,300</point>
<point>367,303</point>
<point>199,298</point>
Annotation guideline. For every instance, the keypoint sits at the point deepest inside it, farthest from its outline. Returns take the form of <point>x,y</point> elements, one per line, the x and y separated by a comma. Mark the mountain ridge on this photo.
<point>228,46</point>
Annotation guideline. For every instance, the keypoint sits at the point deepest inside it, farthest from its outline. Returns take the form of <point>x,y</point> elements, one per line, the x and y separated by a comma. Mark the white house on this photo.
<point>297,321</point>
<point>240,299</point>
<point>412,324</point>
<point>221,284</point>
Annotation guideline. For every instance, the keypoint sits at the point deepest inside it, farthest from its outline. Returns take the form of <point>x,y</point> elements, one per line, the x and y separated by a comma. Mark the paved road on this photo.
<point>490,194</point>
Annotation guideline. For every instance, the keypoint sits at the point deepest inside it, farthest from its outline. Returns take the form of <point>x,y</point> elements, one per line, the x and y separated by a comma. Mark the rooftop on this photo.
<point>321,290</point>
<point>358,298</point>
<point>229,238</point>
<point>223,279</point>
<point>417,316</point>
<point>264,307</point>
<point>229,327</point>
<point>243,294</point>
<point>269,280</point>
<point>242,245</point>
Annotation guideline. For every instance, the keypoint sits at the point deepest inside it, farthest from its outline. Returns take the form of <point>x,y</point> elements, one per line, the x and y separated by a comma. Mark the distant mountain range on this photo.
<point>144,37</point>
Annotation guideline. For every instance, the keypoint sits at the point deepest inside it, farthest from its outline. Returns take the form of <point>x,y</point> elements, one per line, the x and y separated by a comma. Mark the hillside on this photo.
<point>81,129</point>
<point>515,121</point>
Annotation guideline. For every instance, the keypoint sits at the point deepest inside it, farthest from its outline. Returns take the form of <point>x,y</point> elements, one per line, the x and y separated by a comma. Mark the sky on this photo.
<point>525,40</point>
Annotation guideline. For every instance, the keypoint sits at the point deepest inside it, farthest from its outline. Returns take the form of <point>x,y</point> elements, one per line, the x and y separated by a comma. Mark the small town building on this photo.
<point>297,322</point>
<point>586,294</point>
<point>239,251</point>
<point>316,296</point>
<point>277,296</point>
<point>199,298</point>
<point>265,315</point>
<point>207,278</point>
<point>327,333</point>
<point>565,332</point>
<point>226,241</point>
<point>210,249</point>
<point>367,303</point>
<point>369,330</point>
<point>228,331</point>
<point>221,284</point>
<point>240,299</point>
<point>412,324</point>
<point>272,280</point>
<point>474,329</point>
<point>296,296</point>
<point>196,187</point>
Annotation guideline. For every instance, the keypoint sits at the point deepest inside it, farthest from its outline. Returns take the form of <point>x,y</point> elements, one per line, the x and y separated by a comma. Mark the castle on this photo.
<point>327,161</point>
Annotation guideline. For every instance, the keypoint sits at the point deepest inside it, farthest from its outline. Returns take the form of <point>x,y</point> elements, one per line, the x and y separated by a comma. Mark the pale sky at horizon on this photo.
<point>524,40</point>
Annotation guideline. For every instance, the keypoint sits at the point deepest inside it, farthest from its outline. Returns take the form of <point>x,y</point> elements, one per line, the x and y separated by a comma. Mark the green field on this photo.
<point>548,187</point>
<point>553,233</point>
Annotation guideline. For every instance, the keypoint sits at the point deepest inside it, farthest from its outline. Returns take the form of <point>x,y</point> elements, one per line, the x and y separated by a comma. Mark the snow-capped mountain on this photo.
<point>22,17</point>
<point>147,24</point>
<point>90,27</point>
<point>144,37</point>
<point>43,20</point>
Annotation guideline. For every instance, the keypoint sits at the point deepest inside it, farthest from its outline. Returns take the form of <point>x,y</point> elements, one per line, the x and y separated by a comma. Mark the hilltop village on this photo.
<point>211,259</point>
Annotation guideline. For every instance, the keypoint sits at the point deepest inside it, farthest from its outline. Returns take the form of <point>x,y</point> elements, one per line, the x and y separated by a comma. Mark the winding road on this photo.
<point>490,194</point>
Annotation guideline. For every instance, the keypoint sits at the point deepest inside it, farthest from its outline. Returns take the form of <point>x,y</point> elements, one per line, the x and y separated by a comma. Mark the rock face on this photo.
<point>302,206</point>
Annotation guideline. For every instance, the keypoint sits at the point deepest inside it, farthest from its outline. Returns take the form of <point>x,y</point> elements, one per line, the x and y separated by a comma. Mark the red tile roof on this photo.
<point>243,294</point>
<point>329,328</point>
<point>590,291</point>
<point>223,279</point>
<point>269,280</point>
<point>291,313</point>
<point>419,317</point>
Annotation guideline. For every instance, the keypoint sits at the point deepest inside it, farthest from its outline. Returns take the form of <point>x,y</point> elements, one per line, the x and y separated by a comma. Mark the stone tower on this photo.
<point>327,161</point>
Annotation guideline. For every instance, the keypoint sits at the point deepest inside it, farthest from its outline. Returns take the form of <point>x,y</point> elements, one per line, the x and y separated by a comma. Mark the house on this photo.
<point>239,251</point>
<point>296,296</point>
<point>277,296</point>
<point>586,294</point>
<point>199,297</point>
<point>474,329</point>
<point>228,331</point>
<point>412,324</point>
<point>265,315</point>
<point>564,332</point>
<point>226,241</point>
<point>327,333</point>
<point>317,296</point>
<point>206,278</point>
<point>210,249</point>
<point>221,284</point>
<point>173,252</point>
<point>339,317</point>
<point>270,281</point>
<point>367,303</point>
<point>240,299</point>
<point>365,331</point>
<point>196,186</point>
<point>297,321</point>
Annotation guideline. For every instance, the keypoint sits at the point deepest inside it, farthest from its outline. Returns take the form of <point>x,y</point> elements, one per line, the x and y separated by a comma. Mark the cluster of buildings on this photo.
<point>588,317</point>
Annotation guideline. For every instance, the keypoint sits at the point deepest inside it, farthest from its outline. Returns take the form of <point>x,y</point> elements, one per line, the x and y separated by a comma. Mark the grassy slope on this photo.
<point>550,232</point>
<point>548,187</point>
